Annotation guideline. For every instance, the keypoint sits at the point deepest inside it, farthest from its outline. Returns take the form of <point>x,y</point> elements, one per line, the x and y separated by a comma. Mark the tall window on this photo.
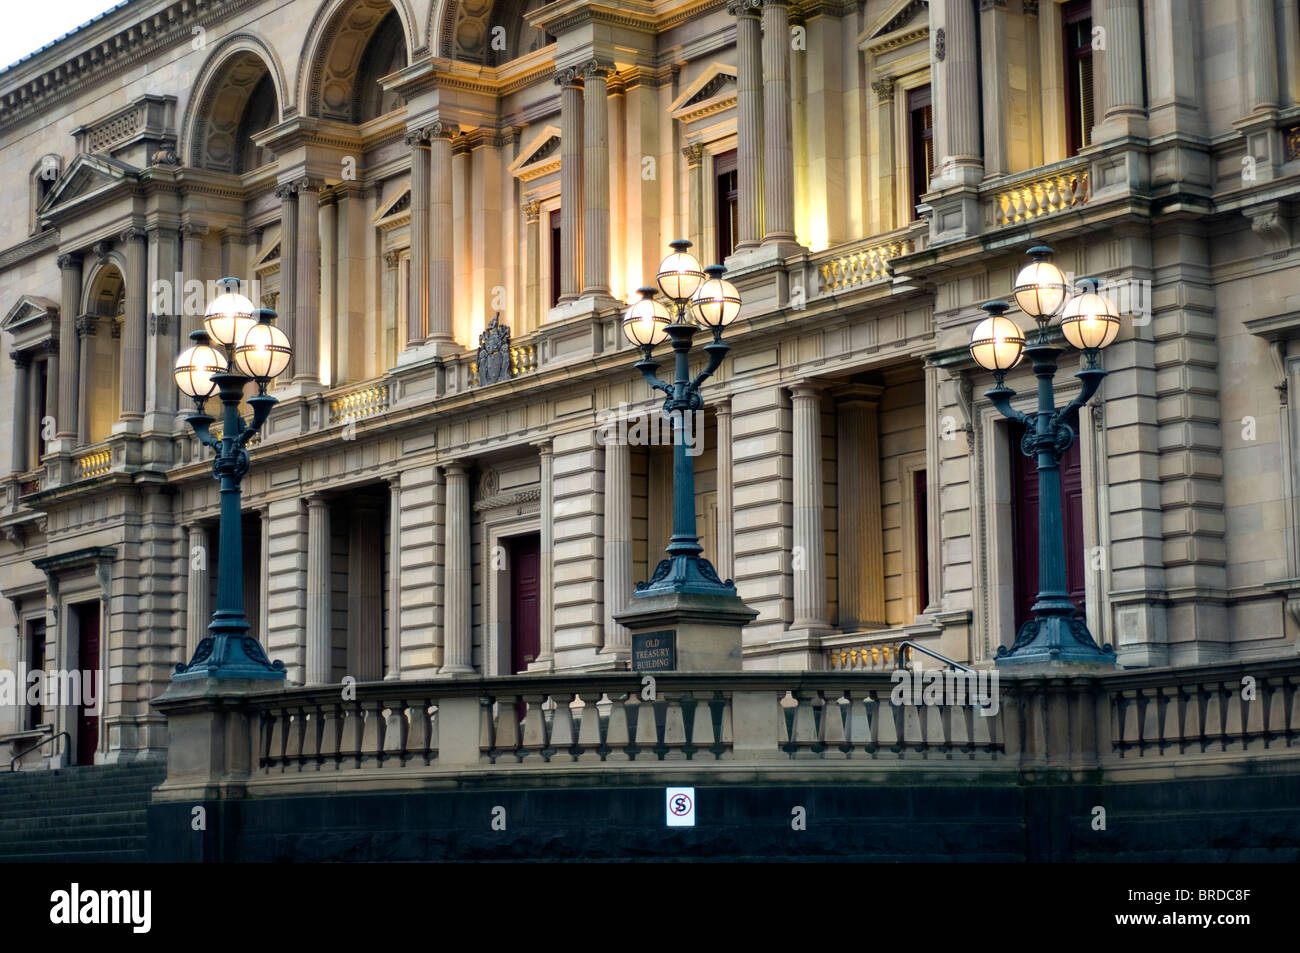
<point>922,542</point>
<point>36,408</point>
<point>1077,18</point>
<point>35,663</point>
<point>920,123</point>
<point>727,214</point>
<point>555,257</point>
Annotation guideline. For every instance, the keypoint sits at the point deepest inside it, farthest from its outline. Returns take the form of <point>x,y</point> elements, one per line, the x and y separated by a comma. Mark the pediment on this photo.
<point>32,319</point>
<point>396,211</point>
<point>85,178</point>
<point>268,257</point>
<point>903,22</point>
<point>540,156</point>
<point>712,91</point>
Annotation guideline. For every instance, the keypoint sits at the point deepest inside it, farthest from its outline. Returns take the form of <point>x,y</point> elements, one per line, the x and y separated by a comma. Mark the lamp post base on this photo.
<point>686,631</point>
<point>1055,639</point>
<point>229,655</point>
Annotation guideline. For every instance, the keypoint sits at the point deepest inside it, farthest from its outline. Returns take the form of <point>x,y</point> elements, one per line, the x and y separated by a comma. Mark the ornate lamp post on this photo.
<point>1089,323</point>
<point>248,348</point>
<point>696,617</point>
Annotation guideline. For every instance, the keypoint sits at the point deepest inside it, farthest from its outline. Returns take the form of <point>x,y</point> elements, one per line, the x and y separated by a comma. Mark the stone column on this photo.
<point>546,560</point>
<point>287,305</point>
<point>778,138</point>
<point>392,319</point>
<point>441,295</point>
<point>618,543</point>
<point>87,324</point>
<point>1261,60</point>
<point>885,197</point>
<point>725,546</point>
<point>861,551</point>
<point>1287,26</point>
<point>962,88</point>
<point>394,665</point>
<point>809,557</point>
<point>233,251</point>
<point>66,382</point>
<point>192,270</point>
<point>331,336</point>
<point>417,299</point>
<point>1122,60</point>
<point>458,650</point>
<point>532,267</point>
<point>134,333</point>
<point>22,412</point>
<point>306,347</point>
<point>749,121</point>
<point>198,612</point>
<point>365,593</point>
<point>993,83</point>
<point>571,182</point>
<point>319,636</point>
<point>160,386</point>
<point>694,155</point>
<point>595,180</point>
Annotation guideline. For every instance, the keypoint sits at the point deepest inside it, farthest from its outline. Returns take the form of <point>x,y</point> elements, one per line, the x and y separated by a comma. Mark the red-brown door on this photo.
<point>1024,509</point>
<point>88,663</point>
<point>525,602</point>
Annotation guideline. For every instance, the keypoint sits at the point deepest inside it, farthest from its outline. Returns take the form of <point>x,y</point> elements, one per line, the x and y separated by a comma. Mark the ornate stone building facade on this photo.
<point>450,203</point>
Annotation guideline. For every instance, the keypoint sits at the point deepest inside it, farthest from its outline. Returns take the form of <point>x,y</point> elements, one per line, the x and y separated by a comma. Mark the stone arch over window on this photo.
<point>465,30</point>
<point>350,45</point>
<point>239,93</point>
<point>99,329</point>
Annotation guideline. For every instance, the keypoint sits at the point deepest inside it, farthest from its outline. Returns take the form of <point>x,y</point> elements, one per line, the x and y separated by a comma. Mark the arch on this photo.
<point>462,30</point>
<point>333,52</point>
<point>231,79</point>
<point>96,276</point>
<point>100,394</point>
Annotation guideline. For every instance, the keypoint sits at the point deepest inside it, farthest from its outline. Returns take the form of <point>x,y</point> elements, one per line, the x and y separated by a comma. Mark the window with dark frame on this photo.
<point>919,498</point>
<point>555,257</point>
<point>920,123</point>
<point>727,211</point>
<point>41,376</point>
<point>35,663</point>
<point>1076,17</point>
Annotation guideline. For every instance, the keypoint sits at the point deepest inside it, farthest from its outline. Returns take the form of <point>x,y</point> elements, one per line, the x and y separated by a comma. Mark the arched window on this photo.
<point>40,181</point>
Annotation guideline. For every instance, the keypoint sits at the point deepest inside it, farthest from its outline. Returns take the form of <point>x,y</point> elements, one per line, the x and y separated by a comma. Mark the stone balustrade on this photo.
<point>360,402</point>
<point>95,461</point>
<point>862,263</point>
<point>1044,191</point>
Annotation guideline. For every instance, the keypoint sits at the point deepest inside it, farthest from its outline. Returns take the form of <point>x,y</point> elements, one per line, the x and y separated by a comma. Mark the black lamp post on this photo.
<point>713,303</point>
<point>1089,323</point>
<point>250,348</point>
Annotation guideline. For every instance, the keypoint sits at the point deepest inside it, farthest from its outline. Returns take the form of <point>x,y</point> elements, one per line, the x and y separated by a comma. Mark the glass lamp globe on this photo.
<point>646,320</point>
<point>997,342</point>
<point>230,314</point>
<point>264,352</point>
<point>1090,321</point>
<point>716,302</point>
<point>197,365</point>
<point>1040,289</point>
<point>679,274</point>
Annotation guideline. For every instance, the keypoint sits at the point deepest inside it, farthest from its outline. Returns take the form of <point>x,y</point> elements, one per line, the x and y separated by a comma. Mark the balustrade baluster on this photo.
<point>563,736</point>
<point>674,727</point>
<point>832,728</point>
<point>647,732</point>
<point>589,726</point>
<point>534,740</point>
<point>617,732</point>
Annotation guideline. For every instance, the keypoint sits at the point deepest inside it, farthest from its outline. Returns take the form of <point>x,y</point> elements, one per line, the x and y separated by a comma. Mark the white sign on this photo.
<point>681,807</point>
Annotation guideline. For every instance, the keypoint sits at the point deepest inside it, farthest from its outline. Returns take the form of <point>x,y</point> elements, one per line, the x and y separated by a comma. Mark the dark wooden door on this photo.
<point>88,663</point>
<point>1024,510</point>
<point>525,602</point>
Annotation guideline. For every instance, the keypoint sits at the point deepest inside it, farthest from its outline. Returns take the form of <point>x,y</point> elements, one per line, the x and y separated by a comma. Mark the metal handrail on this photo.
<point>22,754</point>
<point>935,655</point>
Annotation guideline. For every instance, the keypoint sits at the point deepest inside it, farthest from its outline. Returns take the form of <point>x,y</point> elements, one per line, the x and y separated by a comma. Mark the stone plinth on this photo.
<point>705,628</point>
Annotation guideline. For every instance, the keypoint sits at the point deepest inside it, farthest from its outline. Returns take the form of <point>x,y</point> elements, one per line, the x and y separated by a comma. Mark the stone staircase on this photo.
<point>81,815</point>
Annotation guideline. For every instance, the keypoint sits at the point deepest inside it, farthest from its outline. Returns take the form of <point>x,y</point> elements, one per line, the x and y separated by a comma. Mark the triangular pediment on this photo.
<point>539,156</point>
<point>268,257</point>
<point>712,91</point>
<point>85,178</point>
<point>902,22</point>
<point>27,311</point>
<point>396,211</point>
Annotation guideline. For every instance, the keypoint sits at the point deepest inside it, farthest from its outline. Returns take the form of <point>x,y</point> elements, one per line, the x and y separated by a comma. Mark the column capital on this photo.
<point>315,499</point>
<point>857,394</point>
<point>193,230</point>
<point>101,251</point>
<point>441,129</point>
<point>392,258</point>
<point>884,89</point>
<point>806,389</point>
<point>596,68</point>
<point>21,359</point>
<point>132,233</point>
<point>694,154</point>
<point>532,211</point>
<point>87,325</point>
<point>456,467</point>
<point>745,8</point>
<point>992,5</point>
<point>307,184</point>
<point>68,260</point>
<point>1030,8</point>
<point>284,191</point>
<point>545,447</point>
<point>569,77</point>
<point>50,345</point>
<point>415,137</point>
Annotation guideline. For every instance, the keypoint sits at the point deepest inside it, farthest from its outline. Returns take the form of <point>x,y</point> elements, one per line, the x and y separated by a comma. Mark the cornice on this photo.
<point>40,242</point>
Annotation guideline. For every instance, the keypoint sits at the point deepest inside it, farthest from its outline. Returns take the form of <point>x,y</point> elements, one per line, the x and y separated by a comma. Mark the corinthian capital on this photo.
<point>68,261</point>
<point>740,8</point>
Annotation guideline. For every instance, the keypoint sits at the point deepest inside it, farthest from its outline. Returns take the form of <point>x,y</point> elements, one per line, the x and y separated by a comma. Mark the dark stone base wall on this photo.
<point>1254,818</point>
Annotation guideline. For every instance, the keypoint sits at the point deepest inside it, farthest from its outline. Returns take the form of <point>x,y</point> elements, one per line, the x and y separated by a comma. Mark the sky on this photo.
<point>30,24</point>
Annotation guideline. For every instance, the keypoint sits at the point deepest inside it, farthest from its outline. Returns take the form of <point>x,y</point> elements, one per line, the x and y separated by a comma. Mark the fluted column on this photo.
<point>618,543</point>
<point>595,180</point>
<point>197,610</point>
<point>64,368</point>
<point>809,557</point>
<point>136,323</point>
<point>287,305</point>
<point>546,560</point>
<point>961,87</point>
<point>1122,59</point>
<point>394,665</point>
<point>993,83</point>
<point>417,299</point>
<point>694,155</point>
<point>22,412</point>
<point>571,182</point>
<point>778,137</point>
<point>860,537</point>
<point>87,325</point>
<point>442,280</point>
<point>306,347</point>
<point>532,267</point>
<point>726,543</point>
<point>320,640</point>
<point>456,612</point>
<point>192,270</point>
<point>884,195</point>
<point>393,320</point>
<point>749,121</point>
<point>1261,42</point>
